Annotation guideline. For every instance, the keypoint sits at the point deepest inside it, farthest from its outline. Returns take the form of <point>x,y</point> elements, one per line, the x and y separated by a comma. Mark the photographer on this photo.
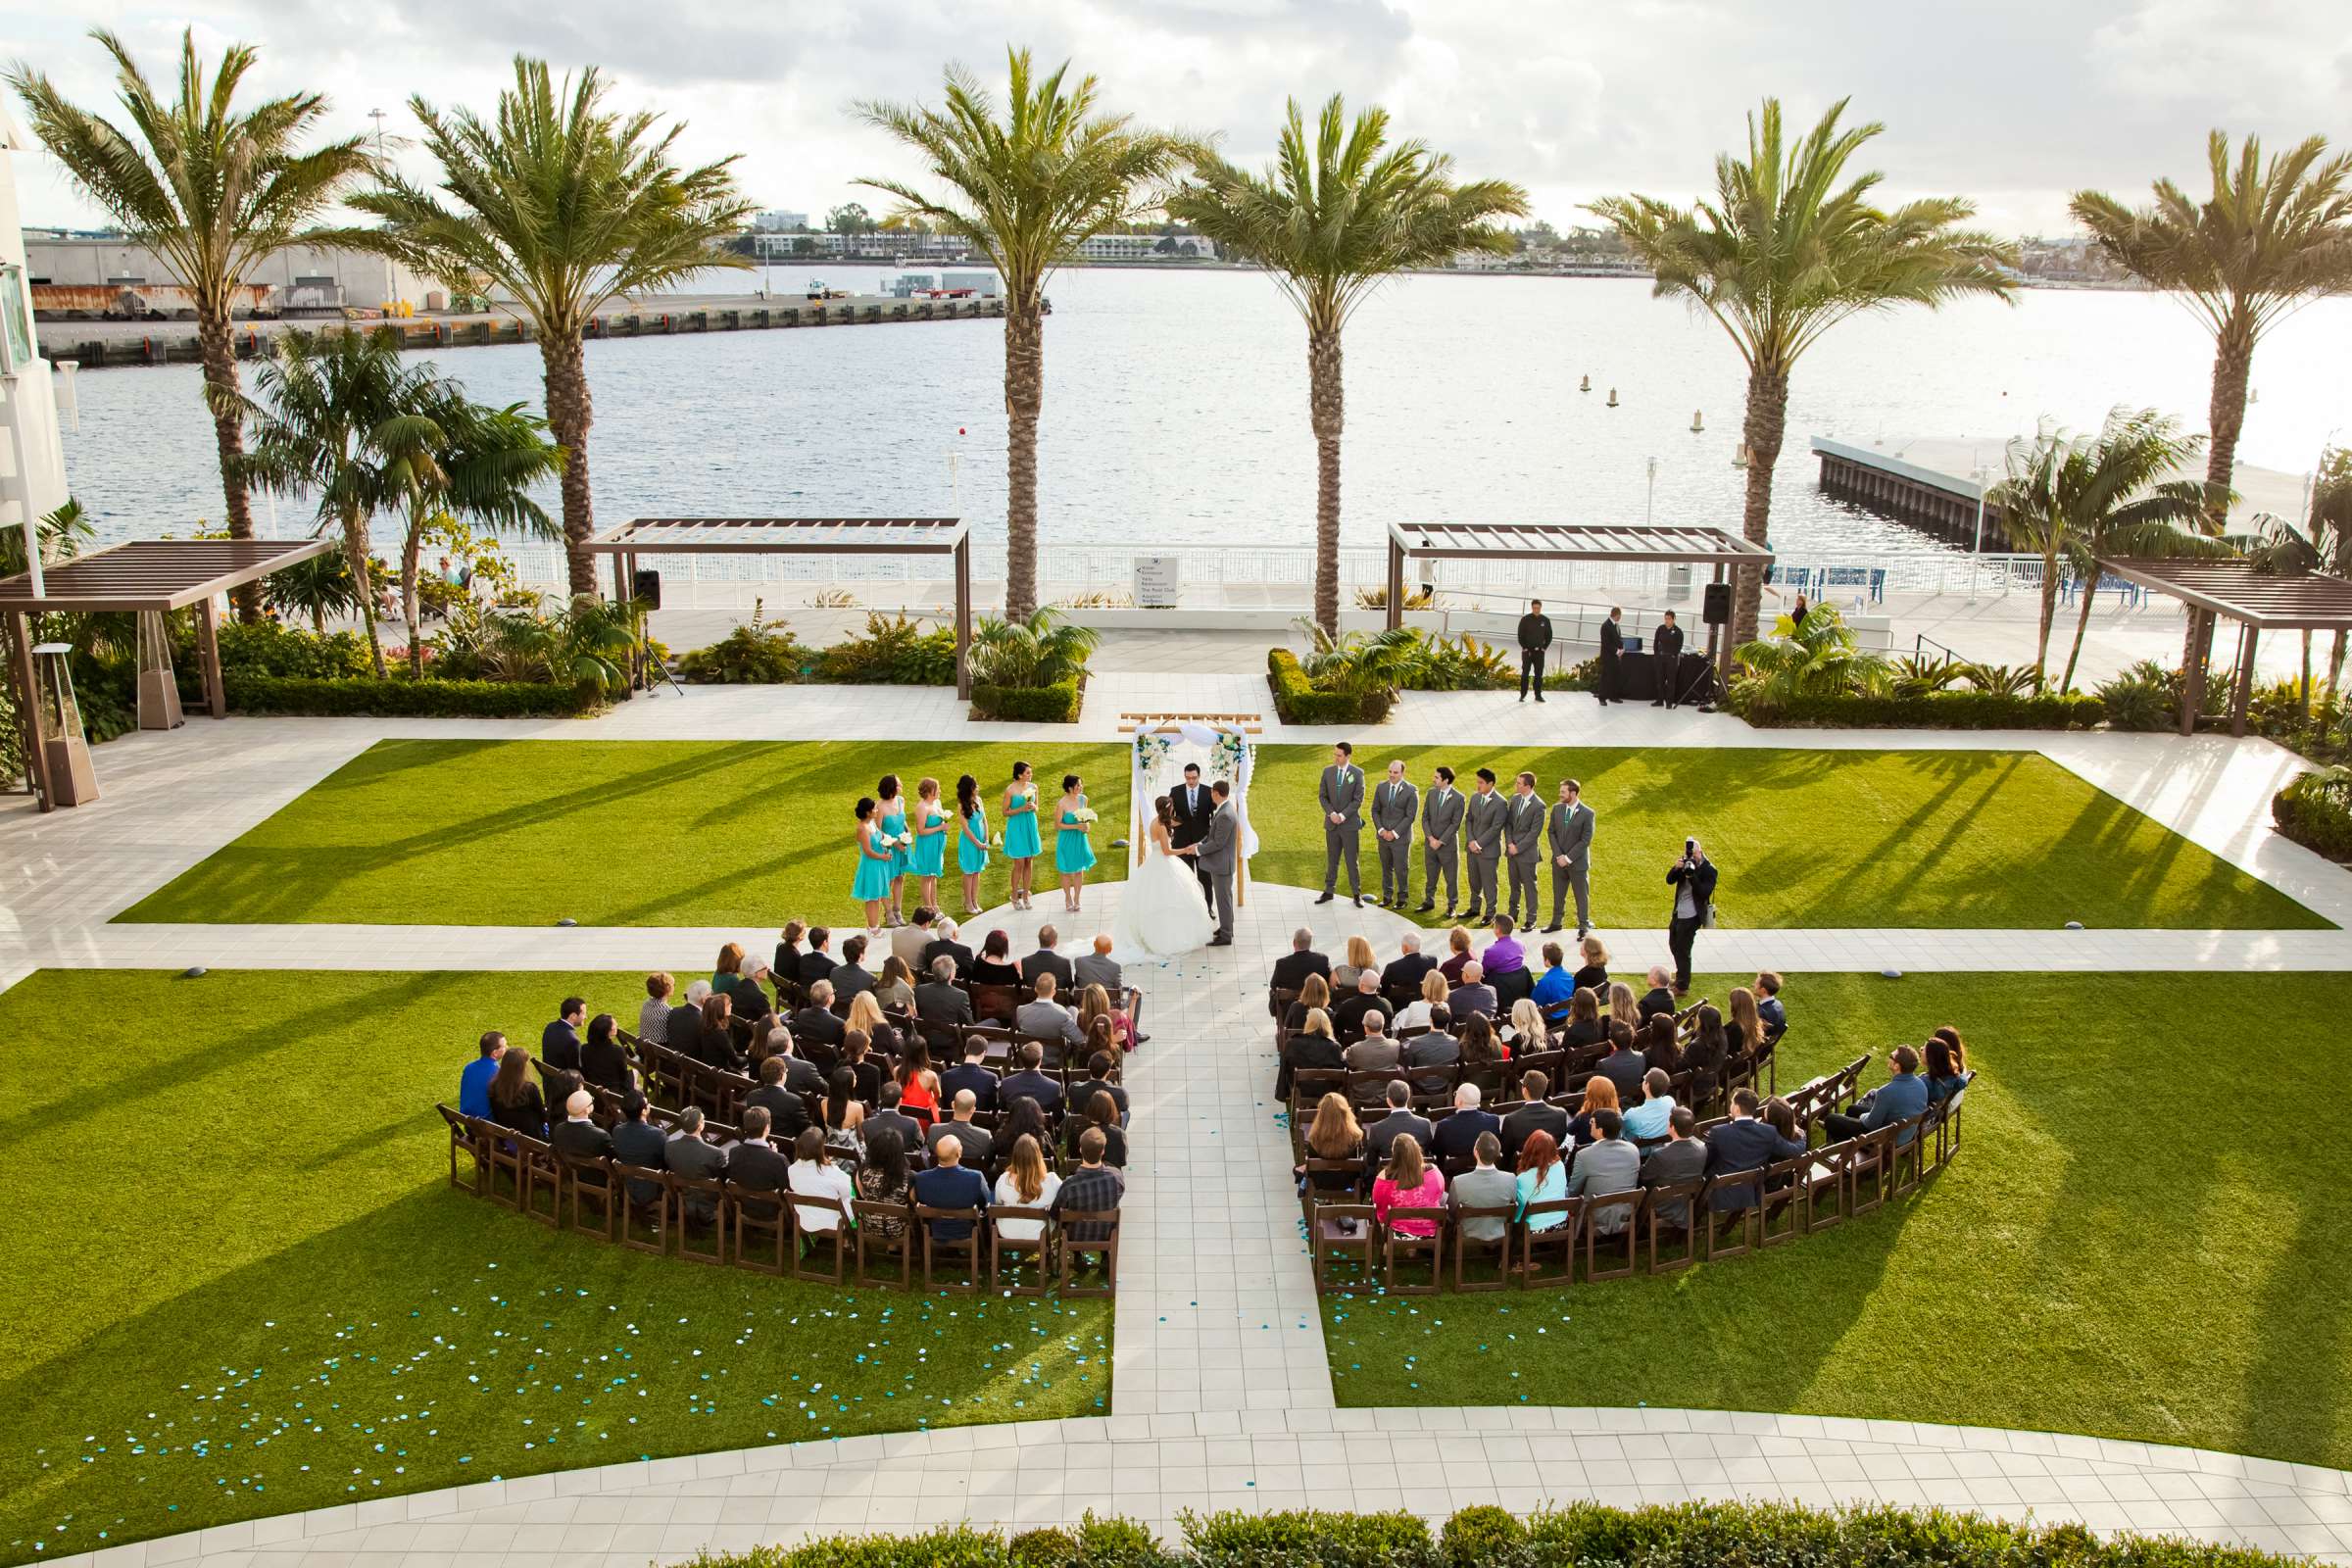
<point>1693,878</point>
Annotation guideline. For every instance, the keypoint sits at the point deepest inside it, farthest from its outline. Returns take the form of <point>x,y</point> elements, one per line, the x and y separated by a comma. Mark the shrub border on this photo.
<point>1925,711</point>
<point>1057,704</point>
<point>368,697</point>
<point>2315,813</point>
<point>1298,701</point>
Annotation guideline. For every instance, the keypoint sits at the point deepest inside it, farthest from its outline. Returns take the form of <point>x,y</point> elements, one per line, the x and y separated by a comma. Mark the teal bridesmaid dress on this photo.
<point>973,858</point>
<point>1071,850</point>
<point>873,874</point>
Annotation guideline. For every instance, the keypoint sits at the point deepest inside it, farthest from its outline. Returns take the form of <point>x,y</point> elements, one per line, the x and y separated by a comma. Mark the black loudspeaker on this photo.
<point>647,587</point>
<point>1717,611</point>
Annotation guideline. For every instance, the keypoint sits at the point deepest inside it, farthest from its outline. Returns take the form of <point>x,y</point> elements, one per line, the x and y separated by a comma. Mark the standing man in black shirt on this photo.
<point>1666,653</point>
<point>1612,648</point>
<point>1535,636</point>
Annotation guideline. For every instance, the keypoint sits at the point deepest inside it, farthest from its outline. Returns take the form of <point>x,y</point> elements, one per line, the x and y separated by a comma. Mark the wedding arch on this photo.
<point>1222,744</point>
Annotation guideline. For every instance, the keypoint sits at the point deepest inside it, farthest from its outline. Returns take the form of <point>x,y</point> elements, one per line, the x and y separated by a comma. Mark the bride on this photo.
<point>1162,911</point>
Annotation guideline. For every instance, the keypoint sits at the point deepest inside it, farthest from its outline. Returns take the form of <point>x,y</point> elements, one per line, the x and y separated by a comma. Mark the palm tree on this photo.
<point>2271,239</point>
<point>1025,191</point>
<point>2322,544</point>
<point>212,190</point>
<point>2110,495</point>
<point>561,205</point>
<point>1330,221</point>
<point>1043,650</point>
<point>1784,252</point>
<point>1815,657</point>
<point>317,588</point>
<point>318,408</point>
<point>445,457</point>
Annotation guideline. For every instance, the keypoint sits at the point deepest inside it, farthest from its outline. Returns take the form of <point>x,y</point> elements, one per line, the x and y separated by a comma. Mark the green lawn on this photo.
<point>238,1283</point>
<point>1809,837</point>
<point>2104,1257</point>
<point>603,832</point>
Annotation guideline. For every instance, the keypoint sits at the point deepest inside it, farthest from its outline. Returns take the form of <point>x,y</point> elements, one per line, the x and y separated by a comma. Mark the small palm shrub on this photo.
<point>1917,674</point>
<point>1817,659</point>
<point>2316,811</point>
<point>893,651</point>
<point>754,653</point>
<point>2002,680</point>
<point>2143,697</point>
<point>1045,649</point>
<point>1460,664</point>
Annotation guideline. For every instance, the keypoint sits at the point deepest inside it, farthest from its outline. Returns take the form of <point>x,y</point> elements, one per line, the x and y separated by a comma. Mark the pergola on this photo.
<point>802,536</point>
<point>2258,600</point>
<point>145,576</point>
<point>1670,545</point>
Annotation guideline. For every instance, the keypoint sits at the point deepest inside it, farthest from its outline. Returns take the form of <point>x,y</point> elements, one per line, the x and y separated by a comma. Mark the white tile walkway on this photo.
<point>1222,1396</point>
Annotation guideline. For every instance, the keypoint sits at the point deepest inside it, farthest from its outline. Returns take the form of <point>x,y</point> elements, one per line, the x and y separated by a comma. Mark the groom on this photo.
<point>1214,857</point>
<point>1192,807</point>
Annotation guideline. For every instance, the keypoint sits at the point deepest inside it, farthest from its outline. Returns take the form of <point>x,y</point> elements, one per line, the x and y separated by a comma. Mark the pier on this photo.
<point>1935,485</point>
<point>98,345</point>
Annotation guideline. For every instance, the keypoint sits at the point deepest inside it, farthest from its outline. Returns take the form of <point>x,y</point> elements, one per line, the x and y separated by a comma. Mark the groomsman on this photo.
<point>1570,833</point>
<point>1342,797</point>
<point>1481,834</point>
<point>1522,846</point>
<point>1441,842</point>
<point>1394,807</point>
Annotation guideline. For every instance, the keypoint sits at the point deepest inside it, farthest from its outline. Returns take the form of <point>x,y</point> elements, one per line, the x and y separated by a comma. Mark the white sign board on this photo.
<point>1157,579</point>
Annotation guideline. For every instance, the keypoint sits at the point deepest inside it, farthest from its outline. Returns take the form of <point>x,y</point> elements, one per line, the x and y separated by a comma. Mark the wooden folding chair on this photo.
<point>1536,1241</point>
<point>1086,1233</point>
<point>1327,1240</point>
<point>1464,1245</point>
<point>761,1228</point>
<point>809,1240</point>
<point>644,1221</point>
<point>502,1157</point>
<point>1907,1161</point>
<point>1613,1254</point>
<point>1745,1225</point>
<point>1663,1232</point>
<point>1947,1125</point>
<point>700,1205</point>
<point>463,1138</point>
<point>994,1004</point>
<point>1786,1183</point>
<point>590,1187</point>
<point>1824,1191</point>
<point>1867,1170</point>
<point>539,1174</point>
<point>1002,1247</point>
<point>1397,1249</point>
<point>871,1215</point>
<point>937,1248</point>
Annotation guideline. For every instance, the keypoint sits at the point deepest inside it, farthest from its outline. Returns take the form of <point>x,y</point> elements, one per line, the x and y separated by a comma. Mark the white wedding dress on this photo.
<point>1160,908</point>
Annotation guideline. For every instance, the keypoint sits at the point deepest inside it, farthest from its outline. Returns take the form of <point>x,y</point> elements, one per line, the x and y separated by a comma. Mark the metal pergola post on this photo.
<point>28,708</point>
<point>963,618</point>
<point>2243,698</point>
<point>1396,583</point>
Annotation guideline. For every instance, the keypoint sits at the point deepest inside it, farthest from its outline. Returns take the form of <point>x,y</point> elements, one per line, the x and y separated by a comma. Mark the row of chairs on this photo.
<point>1653,1230</point>
<point>723,1223</point>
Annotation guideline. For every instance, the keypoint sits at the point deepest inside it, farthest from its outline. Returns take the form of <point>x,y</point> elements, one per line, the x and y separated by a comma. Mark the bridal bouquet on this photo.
<point>995,840</point>
<point>1085,813</point>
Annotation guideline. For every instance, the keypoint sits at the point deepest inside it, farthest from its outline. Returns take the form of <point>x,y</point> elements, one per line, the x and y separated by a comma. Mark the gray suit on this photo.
<point>1093,969</point>
<point>1482,824</point>
<point>1342,792</point>
<point>1570,832</point>
<point>1442,819</point>
<point>1611,1165</point>
<point>1394,807</point>
<point>1522,826</point>
<point>1216,855</point>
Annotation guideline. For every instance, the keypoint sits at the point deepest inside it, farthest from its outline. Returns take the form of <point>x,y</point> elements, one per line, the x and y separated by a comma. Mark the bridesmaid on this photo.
<point>1021,842</point>
<point>892,808</point>
<point>930,852</point>
<point>1073,854</point>
<point>873,886</point>
<point>971,840</point>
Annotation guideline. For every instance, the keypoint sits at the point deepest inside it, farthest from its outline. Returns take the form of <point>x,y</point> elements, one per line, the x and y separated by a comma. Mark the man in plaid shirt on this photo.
<point>1091,1189</point>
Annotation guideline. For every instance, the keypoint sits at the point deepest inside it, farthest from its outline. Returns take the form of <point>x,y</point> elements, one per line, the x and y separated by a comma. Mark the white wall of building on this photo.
<point>33,483</point>
<point>369,281</point>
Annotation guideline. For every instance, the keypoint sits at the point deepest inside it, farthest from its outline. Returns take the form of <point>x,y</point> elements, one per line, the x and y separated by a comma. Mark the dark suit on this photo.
<point>1433,1049</point>
<point>978,1146</point>
<point>1037,1085</point>
<point>1536,1116</point>
<point>1457,1133</point>
<point>848,982</point>
<point>937,1003</point>
<point>607,1066</point>
<point>1307,1054</point>
<point>559,1046</point>
<point>1347,1013</point>
<point>816,966</point>
<point>1656,1000</point>
<point>909,1131</point>
<point>581,1140</point>
<point>787,1113</point>
<point>638,1143</point>
<point>1666,655</point>
<point>1745,1144</point>
<point>1043,962</point>
<point>1682,932</point>
<point>1624,1069</point>
<point>1407,974</point>
<point>1612,669</point>
<point>817,1024</point>
<point>1291,971</point>
<point>802,1078</point>
<point>1464,1001</point>
<point>786,965</point>
<point>969,1075</point>
<point>760,1168</point>
<point>1535,636</point>
<point>1382,1133</point>
<point>1193,806</point>
<point>1682,1161</point>
<point>701,1160</point>
<point>940,948</point>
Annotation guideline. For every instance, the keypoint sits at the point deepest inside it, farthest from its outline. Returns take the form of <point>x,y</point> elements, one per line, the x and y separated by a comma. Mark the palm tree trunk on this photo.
<point>409,550</point>
<point>2091,591</point>
<point>2050,616</point>
<point>317,618</point>
<point>2335,666</point>
<point>1024,398</point>
<point>1766,425</point>
<point>1327,413</point>
<point>355,552</point>
<point>224,396</point>
<point>2232,361</point>
<point>568,415</point>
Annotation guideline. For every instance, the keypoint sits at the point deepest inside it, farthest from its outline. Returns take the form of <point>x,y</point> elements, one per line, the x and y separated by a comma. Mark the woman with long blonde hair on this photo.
<point>1026,1183</point>
<point>1623,1008</point>
<point>865,1016</point>
<point>1360,958</point>
<point>1747,1024</point>
<point>1332,1134</point>
<point>1314,992</point>
<point>1527,1031</point>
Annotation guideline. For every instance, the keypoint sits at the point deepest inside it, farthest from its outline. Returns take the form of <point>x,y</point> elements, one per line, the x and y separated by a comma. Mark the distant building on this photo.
<point>776,221</point>
<point>1147,248</point>
<point>298,278</point>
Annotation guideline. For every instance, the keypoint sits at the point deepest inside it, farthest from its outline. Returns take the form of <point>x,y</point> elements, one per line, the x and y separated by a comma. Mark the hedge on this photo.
<point>1925,710</point>
<point>1030,705</point>
<point>1298,703</point>
<point>2315,810</point>
<point>408,699</point>
<point>1697,1535</point>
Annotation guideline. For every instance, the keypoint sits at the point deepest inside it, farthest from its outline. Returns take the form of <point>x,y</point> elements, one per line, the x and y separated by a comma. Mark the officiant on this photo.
<point>1193,806</point>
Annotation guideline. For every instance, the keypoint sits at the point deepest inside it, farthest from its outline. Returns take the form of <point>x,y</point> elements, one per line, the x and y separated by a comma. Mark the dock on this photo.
<point>1935,484</point>
<point>104,344</point>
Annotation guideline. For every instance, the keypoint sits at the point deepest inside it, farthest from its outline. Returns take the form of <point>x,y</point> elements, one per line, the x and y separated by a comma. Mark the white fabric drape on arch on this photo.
<point>1157,757</point>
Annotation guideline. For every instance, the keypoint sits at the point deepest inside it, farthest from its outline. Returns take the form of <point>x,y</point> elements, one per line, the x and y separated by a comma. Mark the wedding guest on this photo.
<point>1410,968</point>
<point>1375,1051</point>
<point>1434,990</point>
<point>473,1084</point>
<point>947,942</point>
<point>971,1075</point>
<point>714,1040</point>
<point>894,988</point>
<point>888,1122</point>
<point>1407,1181</point>
<point>786,964</point>
<point>1031,1082</point>
<point>1312,1046</point>
<point>939,999</point>
<point>1401,1121</point>
<point>1555,987</point>
<point>1359,961</point>
<point>949,1185</point>
<point>1744,1021</point>
<point>1453,1140</point>
<point>927,859</point>
<point>1485,1186</point>
<point>1526,1031</point>
<point>638,1142</point>
<point>1948,1064</point>
<point>653,1013</point>
<point>1622,1007</point>
<point>1333,1135</point>
<point>1473,995</point>
<point>812,1175</point>
<point>1098,1066</point>
<point>891,812</point>
<point>1292,967</point>
<point>1543,1179</point>
<point>1504,954</point>
<point>1095,1005</point>
<point>908,940</point>
<point>1534,1116</point>
<point>787,1111</point>
<point>1747,1142</point>
<point>818,1020</point>
<point>994,966</point>
<point>1600,1095</point>
<point>816,962</point>
<point>1658,1047</point>
<point>1045,960</point>
<point>576,1137</point>
<point>882,1179</point>
<point>1022,1116</point>
<point>971,842</point>
<point>1098,1112</point>
<point>1093,1188</point>
<point>690,1153</point>
<point>1099,967</point>
<point>560,1041</point>
<point>919,1085</point>
<point>1025,1183</point>
<point>1659,997</point>
<point>1646,1122</point>
<point>1426,1055</point>
<point>1046,1019</point>
<point>724,978</point>
<point>1774,1017</point>
<point>1592,972</point>
<point>977,1146</point>
<point>601,1060</point>
<point>1707,1054</point>
<point>515,1103</point>
<point>855,1055</point>
<point>850,979</point>
<point>683,1033</point>
<point>1625,1064</point>
<point>872,885</point>
<point>1073,851</point>
<point>1482,1056</point>
<point>1021,842</point>
<point>1681,1158</point>
<point>1315,996</point>
<point>1583,1021</point>
<point>1457,954</point>
<point>1357,1001</point>
<point>842,1111</point>
<point>1608,1165</point>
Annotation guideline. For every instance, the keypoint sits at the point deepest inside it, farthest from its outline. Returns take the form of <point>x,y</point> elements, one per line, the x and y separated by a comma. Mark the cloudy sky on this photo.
<point>2013,102</point>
